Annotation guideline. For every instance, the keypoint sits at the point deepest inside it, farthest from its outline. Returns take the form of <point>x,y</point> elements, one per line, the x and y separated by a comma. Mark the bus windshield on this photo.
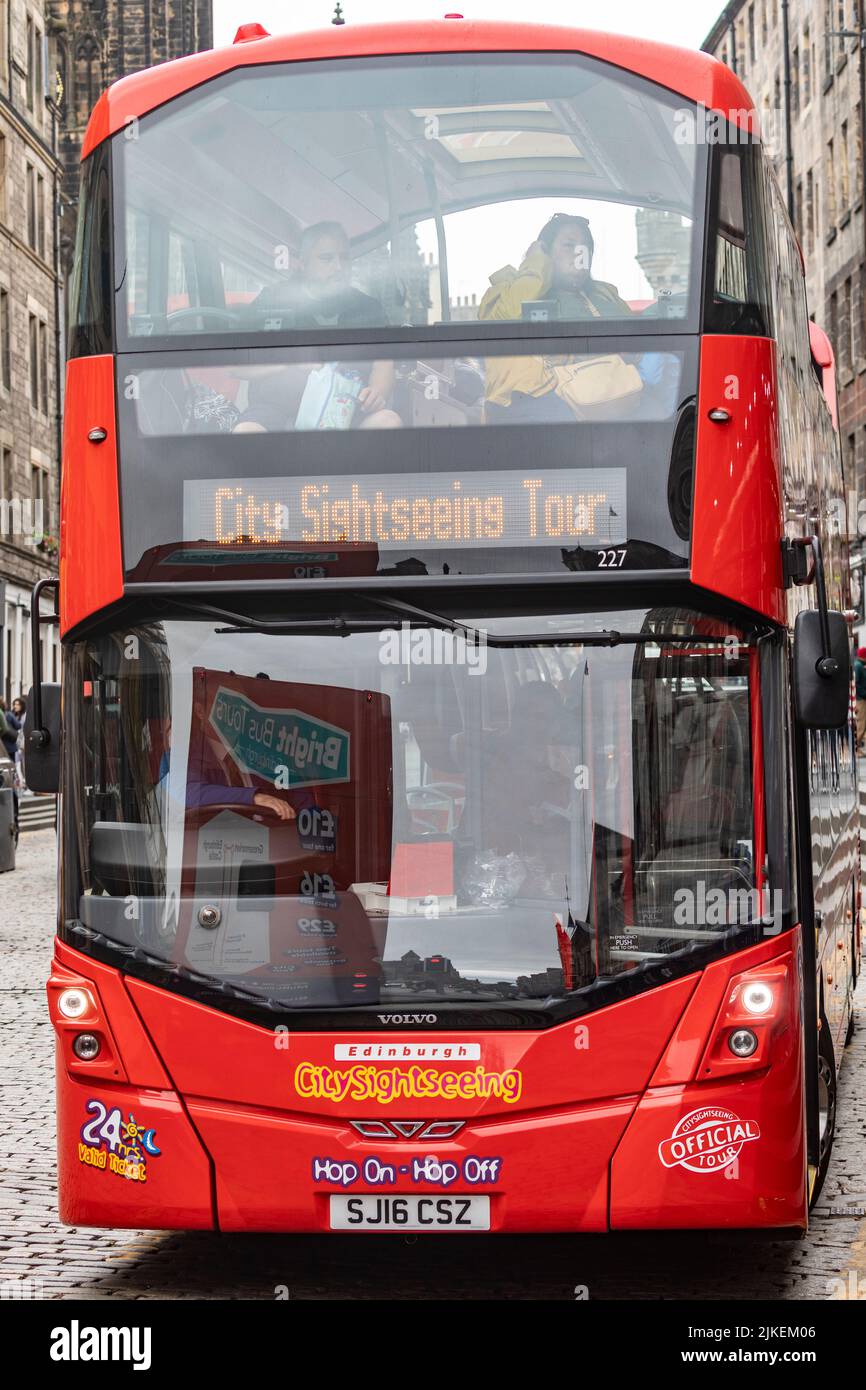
<point>309,815</point>
<point>364,194</point>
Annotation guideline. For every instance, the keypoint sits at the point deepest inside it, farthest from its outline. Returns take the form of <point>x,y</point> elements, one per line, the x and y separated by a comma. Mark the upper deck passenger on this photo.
<point>557,268</point>
<point>319,294</point>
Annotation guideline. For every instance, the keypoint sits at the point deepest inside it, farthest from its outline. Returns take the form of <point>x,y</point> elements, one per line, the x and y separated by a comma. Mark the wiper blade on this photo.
<point>479,636</point>
<point>599,637</point>
<point>339,625</point>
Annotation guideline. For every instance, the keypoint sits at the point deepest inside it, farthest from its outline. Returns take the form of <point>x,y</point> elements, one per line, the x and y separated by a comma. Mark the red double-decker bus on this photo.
<point>459,825</point>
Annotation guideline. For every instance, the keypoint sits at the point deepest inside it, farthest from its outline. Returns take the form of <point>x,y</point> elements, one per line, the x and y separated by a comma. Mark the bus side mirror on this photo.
<point>42,744</point>
<point>822,670</point>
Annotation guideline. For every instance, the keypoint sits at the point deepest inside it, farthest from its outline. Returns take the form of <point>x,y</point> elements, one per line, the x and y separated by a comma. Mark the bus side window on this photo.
<point>739,290</point>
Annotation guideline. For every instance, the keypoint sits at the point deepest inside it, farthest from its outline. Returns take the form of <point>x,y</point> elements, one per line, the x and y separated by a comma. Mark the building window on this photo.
<point>38,71</point>
<point>6,471</point>
<point>829,26</point>
<point>763,22</point>
<point>38,345</point>
<point>29,76</point>
<point>3,148</point>
<point>43,366</point>
<point>30,191</point>
<point>807,67</point>
<point>4,20</point>
<point>39,497</point>
<point>87,75</point>
<point>844,170</point>
<point>831,186</point>
<point>35,190</point>
<point>33,344</point>
<point>40,215</point>
<point>752,54</point>
<point>845,326</point>
<point>795,83</point>
<point>833,324</point>
<point>5,340</point>
<point>798,211</point>
<point>34,79</point>
<point>810,213</point>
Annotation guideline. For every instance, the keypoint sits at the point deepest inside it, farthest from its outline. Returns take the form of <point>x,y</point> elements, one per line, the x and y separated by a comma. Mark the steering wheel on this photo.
<point>194,311</point>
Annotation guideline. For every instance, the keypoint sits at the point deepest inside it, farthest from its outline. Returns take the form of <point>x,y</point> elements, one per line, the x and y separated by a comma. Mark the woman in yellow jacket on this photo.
<point>557,266</point>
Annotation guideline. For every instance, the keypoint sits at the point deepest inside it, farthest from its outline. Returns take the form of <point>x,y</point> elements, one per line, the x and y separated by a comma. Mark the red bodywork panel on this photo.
<point>750,1171</point>
<point>696,76</point>
<point>737,513</point>
<point>605,1123</point>
<point>91,563</point>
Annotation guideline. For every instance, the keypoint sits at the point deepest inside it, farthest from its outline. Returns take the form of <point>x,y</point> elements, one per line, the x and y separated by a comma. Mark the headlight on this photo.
<point>86,1046</point>
<point>757,998</point>
<point>743,1042</point>
<point>74,1003</point>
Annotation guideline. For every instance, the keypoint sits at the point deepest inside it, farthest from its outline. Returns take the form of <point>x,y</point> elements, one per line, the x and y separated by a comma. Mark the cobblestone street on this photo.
<point>68,1263</point>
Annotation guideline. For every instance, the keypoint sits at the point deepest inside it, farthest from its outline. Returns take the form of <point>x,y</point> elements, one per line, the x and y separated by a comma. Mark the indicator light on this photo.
<point>757,997</point>
<point>743,1042</point>
<point>86,1046</point>
<point>74,1003</point>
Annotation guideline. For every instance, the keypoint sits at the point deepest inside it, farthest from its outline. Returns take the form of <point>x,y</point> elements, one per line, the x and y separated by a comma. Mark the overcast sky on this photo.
<point>685,22</point>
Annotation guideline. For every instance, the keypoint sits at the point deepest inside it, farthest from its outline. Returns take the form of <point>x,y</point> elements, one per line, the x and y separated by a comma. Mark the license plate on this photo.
<point>410,1213</point>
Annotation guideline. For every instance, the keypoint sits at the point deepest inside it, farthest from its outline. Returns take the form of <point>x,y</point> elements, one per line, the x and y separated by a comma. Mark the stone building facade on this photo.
<point>30,346</point>
<point>818,153</point>
<point>91,44</point>
<point>56,56</point>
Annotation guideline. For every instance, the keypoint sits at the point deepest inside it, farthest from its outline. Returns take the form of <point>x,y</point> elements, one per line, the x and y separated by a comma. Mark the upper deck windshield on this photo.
<point>380,193</point>
<point>321,269</point>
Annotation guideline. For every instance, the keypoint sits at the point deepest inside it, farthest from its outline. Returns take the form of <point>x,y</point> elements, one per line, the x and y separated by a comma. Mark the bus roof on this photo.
<point>696,76</point>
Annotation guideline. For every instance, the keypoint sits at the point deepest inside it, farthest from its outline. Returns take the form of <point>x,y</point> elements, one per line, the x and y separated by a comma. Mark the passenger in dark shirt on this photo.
<point>319,295</point>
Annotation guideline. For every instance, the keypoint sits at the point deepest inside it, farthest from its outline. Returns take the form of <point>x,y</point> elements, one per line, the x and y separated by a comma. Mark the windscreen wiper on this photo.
<point>338,626</point>
<point>342,625</point>
<point>481,637</point>
<point>601,637</point>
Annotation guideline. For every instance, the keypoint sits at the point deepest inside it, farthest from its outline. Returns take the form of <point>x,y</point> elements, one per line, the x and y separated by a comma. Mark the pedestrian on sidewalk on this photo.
<point>10,727</point>
<point>19,710</point>
<point>860,694</point>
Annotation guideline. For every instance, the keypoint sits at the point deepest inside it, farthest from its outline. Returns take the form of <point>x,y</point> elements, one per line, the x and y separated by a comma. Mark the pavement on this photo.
<point>40,1258</point>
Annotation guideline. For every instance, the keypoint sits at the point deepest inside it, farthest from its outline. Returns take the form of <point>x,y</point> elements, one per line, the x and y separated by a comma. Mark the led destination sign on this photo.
<point>550,507</point>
